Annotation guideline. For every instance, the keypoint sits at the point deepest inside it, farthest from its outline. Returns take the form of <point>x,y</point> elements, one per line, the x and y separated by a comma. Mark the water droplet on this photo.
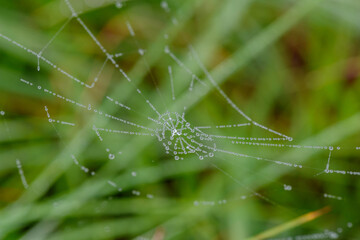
<point>118,4</point>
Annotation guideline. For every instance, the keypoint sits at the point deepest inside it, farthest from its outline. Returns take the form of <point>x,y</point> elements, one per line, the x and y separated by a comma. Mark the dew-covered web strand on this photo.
<point>82,167</point>
<point>82,83</point>
<point>171,83</point>
<point>224,126</point>
<point>254,193</point>
<point>85,169</point>
<point>328,162</point>
<point>51,121</point>
<point>219,90</point>
<point>51,40</point>
<point>232,104</point>
<point>241,184</point>
<point>325,234</point>
<point>45,60</point>
<point>21,173</point>
<point>167,51</point>
<point>255,123</point>
<point>96,79</point>
<point>284,137</point>
<point>182,140</point>
<point>165,6</point>
<point>216,149</point>
<point>82,106</point>
<point>96,111</point>
<point>142,53</point>
<point>147,101</point>
<point>285,187</point>
<point>109,56</point>
<point>70,76</point>
<point>183,66</point>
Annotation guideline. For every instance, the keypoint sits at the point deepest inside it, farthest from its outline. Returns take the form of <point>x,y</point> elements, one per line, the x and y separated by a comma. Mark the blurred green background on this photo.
<point>292,66</point>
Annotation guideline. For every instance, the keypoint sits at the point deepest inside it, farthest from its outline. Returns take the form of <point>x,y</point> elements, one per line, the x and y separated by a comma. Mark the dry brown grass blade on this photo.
<point>291,224</point>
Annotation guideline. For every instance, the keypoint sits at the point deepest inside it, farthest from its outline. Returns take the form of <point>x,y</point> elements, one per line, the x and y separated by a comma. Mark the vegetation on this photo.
<point>291,66</point>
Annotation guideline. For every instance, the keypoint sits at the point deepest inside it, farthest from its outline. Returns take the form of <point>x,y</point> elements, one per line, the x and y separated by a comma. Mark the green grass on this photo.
<point>292,66</point>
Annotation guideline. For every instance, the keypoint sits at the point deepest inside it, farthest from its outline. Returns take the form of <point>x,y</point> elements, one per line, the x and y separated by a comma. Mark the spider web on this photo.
<point>165,120</point>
